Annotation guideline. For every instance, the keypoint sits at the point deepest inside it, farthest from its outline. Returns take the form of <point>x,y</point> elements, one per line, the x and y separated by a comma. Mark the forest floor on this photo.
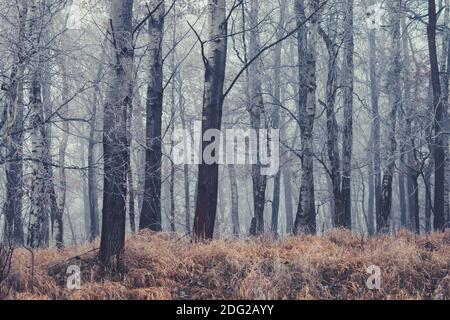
<point>164,266</point>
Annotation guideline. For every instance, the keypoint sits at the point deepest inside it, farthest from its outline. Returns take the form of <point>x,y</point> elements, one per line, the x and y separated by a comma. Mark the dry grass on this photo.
<point>163,266</point>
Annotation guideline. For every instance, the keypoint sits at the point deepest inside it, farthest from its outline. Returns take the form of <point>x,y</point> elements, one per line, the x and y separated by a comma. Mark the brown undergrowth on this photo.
<point>164,266</point>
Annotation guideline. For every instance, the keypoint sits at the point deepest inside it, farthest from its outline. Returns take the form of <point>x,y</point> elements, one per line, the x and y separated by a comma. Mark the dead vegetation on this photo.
<point>163,266</point>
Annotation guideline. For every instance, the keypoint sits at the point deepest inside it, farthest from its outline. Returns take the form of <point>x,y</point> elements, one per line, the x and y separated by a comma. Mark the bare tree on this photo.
<point>215,62</point>
<point>14,169</point>
<point>115,137</point>
<point>305,220</point>
<point>257,119</point>
<point>151,207</point>
<point>395,97</point>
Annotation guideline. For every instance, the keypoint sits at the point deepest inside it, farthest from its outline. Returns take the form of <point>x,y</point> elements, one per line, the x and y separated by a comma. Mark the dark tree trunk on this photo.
<point>151,206</point>
<point>208,174</point>
<point>438,105</point>
<point>14,178</point>
<point>115,137</point>
<point>445,72</point>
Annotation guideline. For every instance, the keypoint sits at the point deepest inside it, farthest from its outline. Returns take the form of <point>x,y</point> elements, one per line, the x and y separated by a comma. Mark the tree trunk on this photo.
<point>172,123</point>
<point>438,105</point>
<point>64,112</point>
<point>234,201</point>
<point>187,185</point>
<point>445,68</point>
<point>374,98</point>
<point>347,146</point>
<point>256,110</point>
<point>92,177</point>
<point>428,195</point>
<point>305,221</point>
<point>131,194</point>
<point>85,190</point>
<point>151,207</point>
<point>332,130</point>
<point>14,168</point>
<point>276,115</point>
<point>412,169</point>
<point>41,185</point>
<point>115,137</point>
<point>215,62</point>
<point>383,220</point>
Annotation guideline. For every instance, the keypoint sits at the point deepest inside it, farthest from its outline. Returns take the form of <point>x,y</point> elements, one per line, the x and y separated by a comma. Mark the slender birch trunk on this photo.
<point>347,145</point>
<point>257,119</point>
<point>393,84</point>
<point>14,169</point>
<point>305,221</point>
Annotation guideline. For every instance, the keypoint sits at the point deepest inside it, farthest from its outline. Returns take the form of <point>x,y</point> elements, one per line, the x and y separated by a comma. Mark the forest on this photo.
<point>224,149</point>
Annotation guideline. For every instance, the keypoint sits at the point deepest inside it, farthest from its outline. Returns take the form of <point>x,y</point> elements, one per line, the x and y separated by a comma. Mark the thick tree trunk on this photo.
<point>215,62</point>
<point>41,184</point>
<point>445,76</point>
<point>305,221</point>
<point>115,137</point>
<point>13,232</point>
<point>438,105</point>
<point>151,207</point>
